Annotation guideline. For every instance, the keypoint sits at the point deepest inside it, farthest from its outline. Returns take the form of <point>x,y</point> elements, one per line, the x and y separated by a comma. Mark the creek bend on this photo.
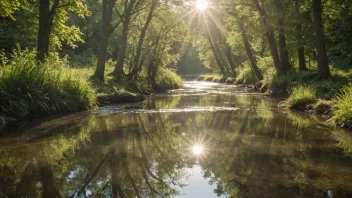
<point>205,140</point>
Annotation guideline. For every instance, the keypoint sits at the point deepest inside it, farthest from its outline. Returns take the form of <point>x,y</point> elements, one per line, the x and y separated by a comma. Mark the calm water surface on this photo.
<point>205,140</point>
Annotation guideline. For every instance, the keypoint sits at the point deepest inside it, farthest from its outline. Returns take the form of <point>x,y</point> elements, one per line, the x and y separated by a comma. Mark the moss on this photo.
<point>301,96</point>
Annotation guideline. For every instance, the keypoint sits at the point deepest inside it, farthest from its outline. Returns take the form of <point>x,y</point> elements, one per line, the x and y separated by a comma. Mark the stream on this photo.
<point>204,140</point>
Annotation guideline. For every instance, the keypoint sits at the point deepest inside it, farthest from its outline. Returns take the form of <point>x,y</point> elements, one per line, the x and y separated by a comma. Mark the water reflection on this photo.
<point>252,150</point>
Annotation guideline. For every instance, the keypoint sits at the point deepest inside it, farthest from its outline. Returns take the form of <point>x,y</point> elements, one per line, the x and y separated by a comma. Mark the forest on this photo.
<point>60,56</point>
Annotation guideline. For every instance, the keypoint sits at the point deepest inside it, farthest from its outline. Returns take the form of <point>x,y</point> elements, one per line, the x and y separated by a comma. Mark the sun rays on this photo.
<point>202,4</point>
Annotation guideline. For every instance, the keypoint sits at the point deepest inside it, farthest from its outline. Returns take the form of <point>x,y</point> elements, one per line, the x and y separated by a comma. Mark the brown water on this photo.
<point>206,140</point>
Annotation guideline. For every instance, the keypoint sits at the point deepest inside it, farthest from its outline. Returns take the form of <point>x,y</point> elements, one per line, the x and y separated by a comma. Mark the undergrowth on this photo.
<point>29,89</point>
<point>344,112</point>
<point>301,96</point>
<point>167,79</point>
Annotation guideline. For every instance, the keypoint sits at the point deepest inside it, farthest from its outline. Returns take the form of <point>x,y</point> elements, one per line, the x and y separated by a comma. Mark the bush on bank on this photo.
<point>344,112</point>
<point>216,78</point>
<point>167,79</point>
<point>301,96</point>
<point>29,89</point>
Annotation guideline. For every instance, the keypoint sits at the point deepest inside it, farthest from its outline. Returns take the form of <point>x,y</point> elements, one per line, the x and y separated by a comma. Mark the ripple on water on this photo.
<point>112,110</point>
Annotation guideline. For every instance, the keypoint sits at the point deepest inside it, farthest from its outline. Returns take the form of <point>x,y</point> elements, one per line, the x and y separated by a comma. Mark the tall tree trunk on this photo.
<point>216,56</point>
<point>271,39</point>
<point>323,63</point>
<point>128,8</point>
<point>104,38</point>
<point>122,50</point>
<point>136,61</point>
<point>301,55</point>
<point>230,60</point>
<point>250,56</point>
<point>285,60</point>
<point>46,18</point>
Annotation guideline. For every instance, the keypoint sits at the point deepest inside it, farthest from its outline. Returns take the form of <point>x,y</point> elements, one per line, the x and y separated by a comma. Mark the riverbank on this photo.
<point>324,97</point>
<point>30,90</point>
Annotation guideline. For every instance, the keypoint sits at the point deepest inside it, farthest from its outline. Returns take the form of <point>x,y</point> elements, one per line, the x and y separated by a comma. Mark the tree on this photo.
<point>282,38</point>
<point>250,56</point>
<point>136,64</point>
<point>47,14</point>
<point>269,32</point>
<point>323,63</point>
<point>301,54</point>
<point>104,37</point>
<point>129,9</point>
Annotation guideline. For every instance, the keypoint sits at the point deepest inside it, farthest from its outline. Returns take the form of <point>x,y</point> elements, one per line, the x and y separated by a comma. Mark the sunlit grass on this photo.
<point>344,112</point>
<point>301,96</point>
<point>29,89</point>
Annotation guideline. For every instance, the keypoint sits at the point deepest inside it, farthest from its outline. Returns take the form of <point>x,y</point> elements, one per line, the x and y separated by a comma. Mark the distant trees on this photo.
<point>139,36</point>
<point>288,31</point>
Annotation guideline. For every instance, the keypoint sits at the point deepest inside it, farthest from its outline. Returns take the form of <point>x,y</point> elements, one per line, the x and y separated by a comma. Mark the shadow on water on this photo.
<point>241,143</point>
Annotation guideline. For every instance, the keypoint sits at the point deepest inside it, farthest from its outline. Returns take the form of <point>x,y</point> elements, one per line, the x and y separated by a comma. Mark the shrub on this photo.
<point>208,77</point>
<point>245,75</point>
<point>218,78</point>
<point>29,89</point>
<point>301,96</point>
<point>200,77</point>
<point>344,112</point>
<point>167,79</point>
<point>230,80</point>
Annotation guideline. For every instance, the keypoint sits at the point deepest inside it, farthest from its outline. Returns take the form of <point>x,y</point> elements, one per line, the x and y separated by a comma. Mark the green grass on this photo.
<point>167,79</point>
<point>301,96</point>
<point>29,89</point>
<point>216,78</point>
<point>246,76</point>
<point>344,112</point>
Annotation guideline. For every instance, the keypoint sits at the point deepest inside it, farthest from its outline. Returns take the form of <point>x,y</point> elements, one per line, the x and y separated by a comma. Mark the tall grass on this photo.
<point>344,112</point>
<point>301,96</point>
<point>28,89</point>
<point>245,75</point>
<point>167,79</point>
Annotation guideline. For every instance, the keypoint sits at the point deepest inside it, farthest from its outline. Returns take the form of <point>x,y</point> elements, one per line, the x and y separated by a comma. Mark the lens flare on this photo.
<point>197,149</point>
<point>202,4</point>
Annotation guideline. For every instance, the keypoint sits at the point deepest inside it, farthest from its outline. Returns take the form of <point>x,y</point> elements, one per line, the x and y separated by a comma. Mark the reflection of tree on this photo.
<point>267,157</point>
<point>250,152</point>
<point>30,167</point>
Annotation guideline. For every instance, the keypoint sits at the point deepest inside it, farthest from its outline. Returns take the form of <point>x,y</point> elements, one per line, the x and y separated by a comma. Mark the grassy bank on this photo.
<point>29,89</point>
<point>302,90</point>
<point>216,78</point>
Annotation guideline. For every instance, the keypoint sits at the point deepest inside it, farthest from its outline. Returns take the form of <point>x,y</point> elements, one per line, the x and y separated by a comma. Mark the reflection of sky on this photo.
<point>197,186</point>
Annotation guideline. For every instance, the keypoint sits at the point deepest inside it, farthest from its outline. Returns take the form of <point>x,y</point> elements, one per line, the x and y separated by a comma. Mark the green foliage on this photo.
<point>167,79</point>
<point>28,89</point>
<point>8,7</point>
<point>245,75</point>
<point>345,140</point>
<point>344,112</point>
<point>301,96</point>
